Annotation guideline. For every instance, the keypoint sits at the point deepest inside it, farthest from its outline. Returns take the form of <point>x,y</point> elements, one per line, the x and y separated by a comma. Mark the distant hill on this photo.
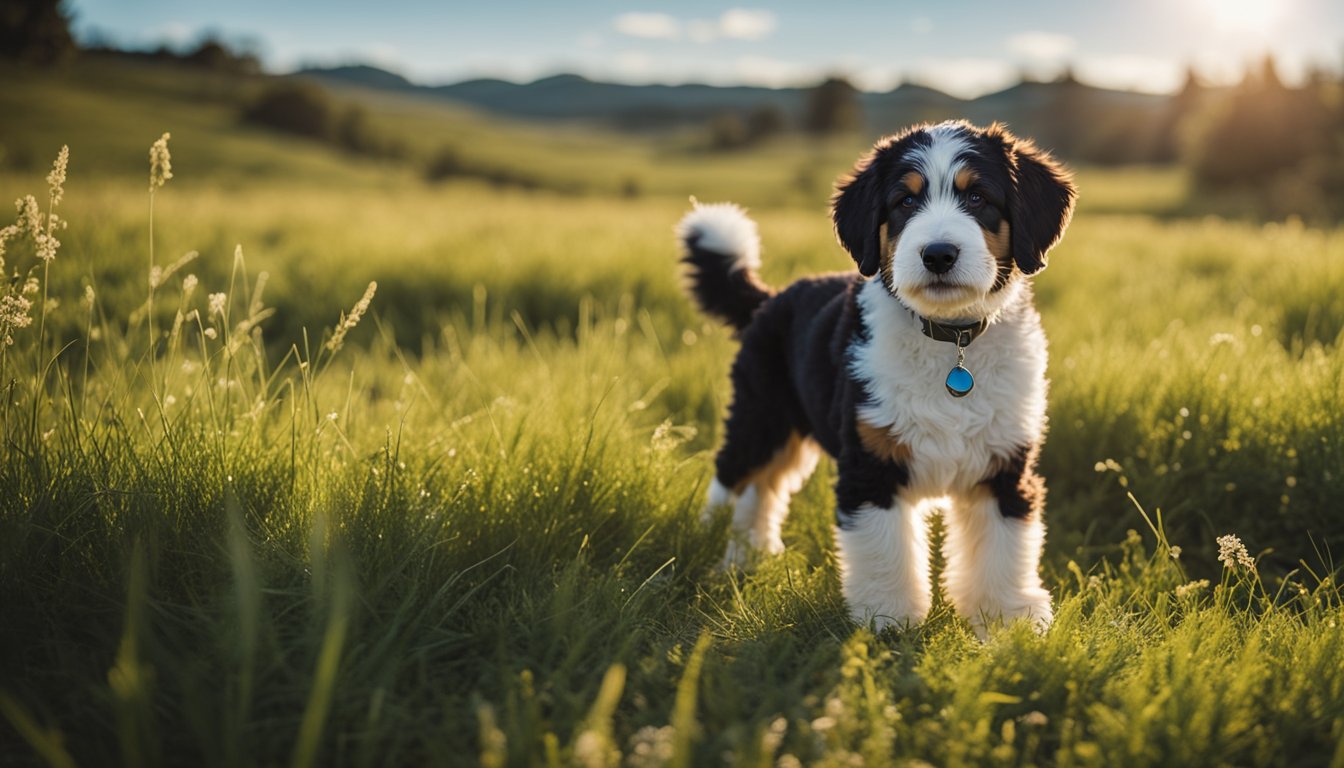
<point>1052,112</point>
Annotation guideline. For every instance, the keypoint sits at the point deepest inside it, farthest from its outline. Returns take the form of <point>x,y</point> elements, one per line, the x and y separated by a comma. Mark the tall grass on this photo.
<point>226,539</point>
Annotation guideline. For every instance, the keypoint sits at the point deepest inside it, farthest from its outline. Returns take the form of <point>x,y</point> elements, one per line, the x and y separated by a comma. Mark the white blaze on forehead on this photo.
<point>942,157</point>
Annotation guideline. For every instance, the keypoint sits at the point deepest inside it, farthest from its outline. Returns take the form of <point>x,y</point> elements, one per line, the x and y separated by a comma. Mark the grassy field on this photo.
<point>468,533</point>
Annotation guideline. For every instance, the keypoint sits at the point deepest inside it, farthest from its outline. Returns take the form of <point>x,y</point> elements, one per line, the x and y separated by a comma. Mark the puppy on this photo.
<point>923,375</point>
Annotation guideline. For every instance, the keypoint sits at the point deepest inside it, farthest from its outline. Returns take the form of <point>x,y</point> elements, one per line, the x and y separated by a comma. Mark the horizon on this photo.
<point>1146,47</point>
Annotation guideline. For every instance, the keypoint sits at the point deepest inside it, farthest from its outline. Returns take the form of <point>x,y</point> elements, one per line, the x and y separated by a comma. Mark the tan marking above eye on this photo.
<point>914,182</point>
<point>965,178</point>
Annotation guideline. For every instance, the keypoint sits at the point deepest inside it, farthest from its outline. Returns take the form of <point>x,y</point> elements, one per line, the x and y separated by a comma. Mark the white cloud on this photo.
<point>774,73</point>
<point>921,25</point>
<point>1042,46</point>
<point>633,64</point>
<point>733,24</point>
<point>652,26</point>
<point>964,77</point>
<point>174,33</point>
<point>385,55</point>
<point>746,24</point>
<point>1129,72</point>
<point>702,30</point>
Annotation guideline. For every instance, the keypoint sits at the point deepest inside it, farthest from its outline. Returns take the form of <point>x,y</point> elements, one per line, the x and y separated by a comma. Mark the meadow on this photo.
<point>399,473</point>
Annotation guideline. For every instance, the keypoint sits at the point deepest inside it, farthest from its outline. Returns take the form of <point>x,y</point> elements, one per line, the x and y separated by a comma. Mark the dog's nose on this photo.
<point>939,257</point>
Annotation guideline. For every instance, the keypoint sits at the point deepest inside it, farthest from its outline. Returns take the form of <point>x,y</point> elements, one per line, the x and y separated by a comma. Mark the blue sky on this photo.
<point>966,47</point>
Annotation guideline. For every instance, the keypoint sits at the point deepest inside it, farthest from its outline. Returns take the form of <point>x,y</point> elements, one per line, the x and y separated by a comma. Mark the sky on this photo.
<point>965,47</point>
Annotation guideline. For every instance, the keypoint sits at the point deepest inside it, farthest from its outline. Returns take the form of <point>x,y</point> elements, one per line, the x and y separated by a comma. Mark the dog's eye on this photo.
<point>908,201</point>
<point>975,200</point>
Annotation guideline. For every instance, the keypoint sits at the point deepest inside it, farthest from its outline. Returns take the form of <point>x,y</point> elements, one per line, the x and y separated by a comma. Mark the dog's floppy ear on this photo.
<point>1040,205</point>
<point>856,209</point>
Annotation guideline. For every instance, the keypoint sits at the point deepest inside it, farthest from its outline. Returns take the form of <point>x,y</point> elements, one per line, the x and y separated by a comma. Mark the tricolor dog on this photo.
<point>923,376</point>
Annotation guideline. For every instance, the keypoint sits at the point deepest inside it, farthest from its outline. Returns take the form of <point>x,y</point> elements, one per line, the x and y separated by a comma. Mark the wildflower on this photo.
<point>30,216</point>
<point>823,723</point>
<point>651,747</point>
<point>774,736</point>
<point>7,233</point>
<point>13,314</point>
<point>1185,590</point>
<point>188,285</point>
<point>56,179</point>
<point>1175,552</point>
<point>155,276</point>
<point>210,333</point>
<point>1034,718</point>
<point>218,302</point>
<point>160,163</point>
<point>591,750</point>
<point>1231,552</point>
<point>349,321</point>
<point>46,247</point>
<point>89,297</point>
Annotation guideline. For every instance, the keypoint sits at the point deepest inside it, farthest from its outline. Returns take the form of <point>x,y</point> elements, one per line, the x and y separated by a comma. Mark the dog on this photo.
<point>923,375</point>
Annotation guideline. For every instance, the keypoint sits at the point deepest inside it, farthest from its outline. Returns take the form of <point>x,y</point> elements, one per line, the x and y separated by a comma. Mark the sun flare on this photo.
<point>1243,14</point>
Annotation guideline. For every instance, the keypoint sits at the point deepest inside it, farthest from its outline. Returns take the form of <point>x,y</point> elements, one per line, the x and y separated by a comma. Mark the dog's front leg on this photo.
<point>993,551</point>
<point>882,543</point>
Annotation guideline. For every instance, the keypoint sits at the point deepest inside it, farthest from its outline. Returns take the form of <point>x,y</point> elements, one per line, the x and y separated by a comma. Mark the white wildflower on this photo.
<point>1034,718</point>
<point>47,246</point>
<point>651,747</point>
<point>160,163</point>
<point>1175,552</point>
<point>56,179</point>
<point>89,297</point>
<point>218,302</point>
<point>591,750</point>
<point>774,736</point>
<point>1191,588</point>
<point>13,314</point>
<point>30,216</point>
<point>188,285</point>
<point>210,333</point>
<point>823,724</point>
<point>1231,552</point>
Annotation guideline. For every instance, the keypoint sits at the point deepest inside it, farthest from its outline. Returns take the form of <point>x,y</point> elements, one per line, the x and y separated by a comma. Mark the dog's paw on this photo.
<point>900,614</point>
<point>1032,605</point>
<point>719,500</point>
<point>743,551</point>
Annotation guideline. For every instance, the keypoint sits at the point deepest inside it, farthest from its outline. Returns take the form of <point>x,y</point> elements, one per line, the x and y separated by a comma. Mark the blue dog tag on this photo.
<point>960,382</point>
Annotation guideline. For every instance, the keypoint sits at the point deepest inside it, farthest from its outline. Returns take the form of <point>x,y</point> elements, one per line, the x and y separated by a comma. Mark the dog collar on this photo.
<point>959,381</point>
<point>961,335</point>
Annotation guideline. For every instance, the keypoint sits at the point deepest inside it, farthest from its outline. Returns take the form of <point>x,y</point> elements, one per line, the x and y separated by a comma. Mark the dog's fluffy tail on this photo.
<point>723,250</point>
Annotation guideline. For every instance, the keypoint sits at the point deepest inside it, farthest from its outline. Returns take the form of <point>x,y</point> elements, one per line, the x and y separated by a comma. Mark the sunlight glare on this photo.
<point>1243,14</point>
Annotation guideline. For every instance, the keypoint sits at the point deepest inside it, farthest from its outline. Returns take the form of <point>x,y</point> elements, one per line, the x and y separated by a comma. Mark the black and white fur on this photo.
<point>946,222</point>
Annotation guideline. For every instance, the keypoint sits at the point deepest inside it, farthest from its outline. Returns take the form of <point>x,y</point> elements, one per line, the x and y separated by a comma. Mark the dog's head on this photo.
<point>951,214</point>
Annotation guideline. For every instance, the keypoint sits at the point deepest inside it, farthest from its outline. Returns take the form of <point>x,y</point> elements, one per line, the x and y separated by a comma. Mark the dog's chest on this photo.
<point>949,443</point>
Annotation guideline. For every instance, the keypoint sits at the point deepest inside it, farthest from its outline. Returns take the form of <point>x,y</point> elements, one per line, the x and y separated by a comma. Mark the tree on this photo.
<point>35,31</point>
<point>833,107</point>
<point>294,107</point>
